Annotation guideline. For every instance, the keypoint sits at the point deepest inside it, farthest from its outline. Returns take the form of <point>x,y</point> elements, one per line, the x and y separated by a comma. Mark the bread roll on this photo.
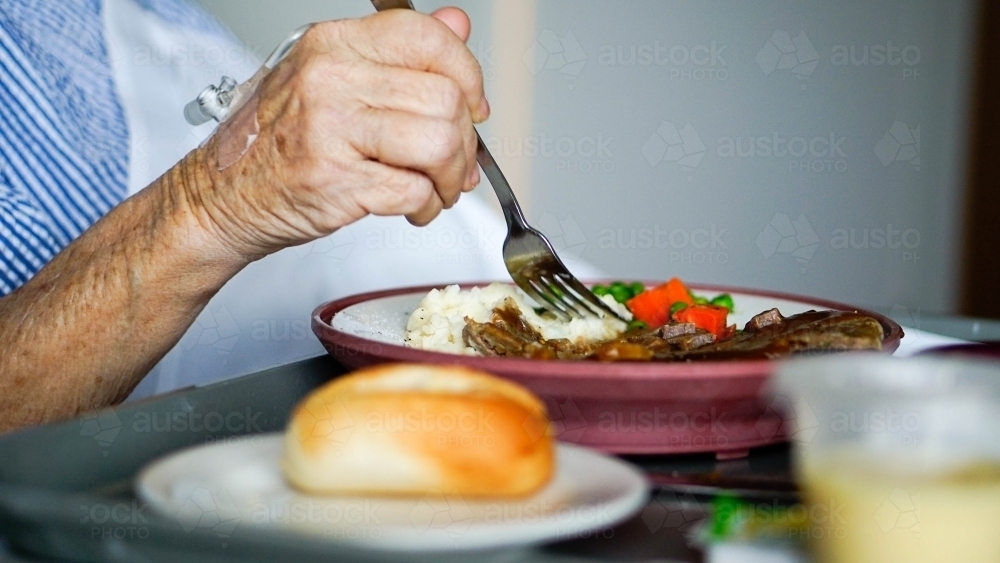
<point>408,429</point>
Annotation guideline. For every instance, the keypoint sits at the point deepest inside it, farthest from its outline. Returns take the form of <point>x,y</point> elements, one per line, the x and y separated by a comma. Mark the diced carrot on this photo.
<point>674,291</point>
<point>649,308</point>
<point>653,305</point>
<point>707,317</point>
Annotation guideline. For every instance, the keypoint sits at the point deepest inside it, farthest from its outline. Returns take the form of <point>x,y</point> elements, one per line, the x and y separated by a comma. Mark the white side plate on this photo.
<point>228,485</point>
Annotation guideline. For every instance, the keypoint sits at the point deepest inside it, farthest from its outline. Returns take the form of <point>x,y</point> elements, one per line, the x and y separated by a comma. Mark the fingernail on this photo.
<point>484,109</point>
<point>475,176</point>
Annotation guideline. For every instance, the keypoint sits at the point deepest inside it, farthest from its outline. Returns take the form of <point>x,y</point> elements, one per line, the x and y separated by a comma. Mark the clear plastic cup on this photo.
<point>898,459</point>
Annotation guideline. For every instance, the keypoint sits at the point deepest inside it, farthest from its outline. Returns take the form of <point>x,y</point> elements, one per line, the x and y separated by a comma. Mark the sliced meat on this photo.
<point>813,331</point>
<point>474,338</point>
<point>692,341</point>
<point>765,319</point>
<point>509,315</point>
<point>496,340</point>
<point>767,335</point>
<point>673,329</point>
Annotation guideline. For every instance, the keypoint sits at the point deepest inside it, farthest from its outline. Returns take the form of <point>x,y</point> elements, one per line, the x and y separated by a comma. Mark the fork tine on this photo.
<point>572,294</point>
<point>542,289</point>
<point>591,298</point>
<point>553,289</point>
<point>544,301</point>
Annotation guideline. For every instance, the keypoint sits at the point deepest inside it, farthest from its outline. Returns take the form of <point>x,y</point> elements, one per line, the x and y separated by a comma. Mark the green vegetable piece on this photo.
<point>725,520</point>
<point>621,293</point>
<point>677,306</point>
<point>555,289</point>
<point>600,290</point>
<point>637,288</point>
<point>724,300</point>
<point>699,300</point>
<point>634,324</point>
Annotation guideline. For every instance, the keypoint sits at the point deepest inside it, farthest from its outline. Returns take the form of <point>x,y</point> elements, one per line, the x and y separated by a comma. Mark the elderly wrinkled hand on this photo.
<point>368,116</point>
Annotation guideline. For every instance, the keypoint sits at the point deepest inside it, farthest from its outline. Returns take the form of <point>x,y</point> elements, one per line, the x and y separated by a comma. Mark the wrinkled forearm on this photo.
<point>84,331</point>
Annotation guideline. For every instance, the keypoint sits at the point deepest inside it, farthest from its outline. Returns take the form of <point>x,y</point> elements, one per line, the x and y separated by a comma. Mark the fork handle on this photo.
<point>392,5</point>
<point>511,209</point>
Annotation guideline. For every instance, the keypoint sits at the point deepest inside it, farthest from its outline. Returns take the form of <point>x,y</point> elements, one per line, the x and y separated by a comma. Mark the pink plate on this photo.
<point>624,407</point>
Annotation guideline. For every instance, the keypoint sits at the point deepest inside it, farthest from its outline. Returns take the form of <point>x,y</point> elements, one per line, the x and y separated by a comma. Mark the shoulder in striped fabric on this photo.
<point>63,134</point>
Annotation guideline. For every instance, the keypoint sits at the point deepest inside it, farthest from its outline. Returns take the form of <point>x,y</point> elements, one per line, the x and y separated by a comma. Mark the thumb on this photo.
<point>456,19</point>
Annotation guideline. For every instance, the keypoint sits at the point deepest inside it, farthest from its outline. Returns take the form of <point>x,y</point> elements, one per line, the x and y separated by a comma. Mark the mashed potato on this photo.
<point>439,319</point>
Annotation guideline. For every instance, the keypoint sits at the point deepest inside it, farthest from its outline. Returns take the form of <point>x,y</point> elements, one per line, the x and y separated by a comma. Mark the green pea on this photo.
<point>637,288</point>
<point>699,300</point>
<point>599,290</point>
<point>620,293</point>
<point>724,300</point>
<point>635,325</point>
<point>677,306</point>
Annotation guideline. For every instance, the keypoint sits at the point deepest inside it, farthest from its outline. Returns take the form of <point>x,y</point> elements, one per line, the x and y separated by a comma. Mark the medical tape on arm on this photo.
<point>235,106</point>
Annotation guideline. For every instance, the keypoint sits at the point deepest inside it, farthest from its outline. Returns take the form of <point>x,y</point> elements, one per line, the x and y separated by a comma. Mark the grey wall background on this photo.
<point>812,147</point>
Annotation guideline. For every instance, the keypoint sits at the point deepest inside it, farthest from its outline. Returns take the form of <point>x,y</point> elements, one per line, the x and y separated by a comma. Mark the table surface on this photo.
<point>684,484</point>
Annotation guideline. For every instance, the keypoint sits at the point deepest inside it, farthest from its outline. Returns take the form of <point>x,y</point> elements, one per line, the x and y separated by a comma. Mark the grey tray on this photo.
<point>66,489</point>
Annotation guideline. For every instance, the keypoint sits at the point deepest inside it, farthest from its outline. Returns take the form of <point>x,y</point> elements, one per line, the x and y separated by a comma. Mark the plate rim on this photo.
<point>703,370</point>
<point>634,497</point>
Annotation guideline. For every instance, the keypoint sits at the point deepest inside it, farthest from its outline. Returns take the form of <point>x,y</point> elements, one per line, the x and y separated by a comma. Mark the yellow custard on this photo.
<point>894,512</point>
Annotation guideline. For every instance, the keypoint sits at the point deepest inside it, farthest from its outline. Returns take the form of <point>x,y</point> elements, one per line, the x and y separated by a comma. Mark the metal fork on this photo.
<point>528,255</point>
